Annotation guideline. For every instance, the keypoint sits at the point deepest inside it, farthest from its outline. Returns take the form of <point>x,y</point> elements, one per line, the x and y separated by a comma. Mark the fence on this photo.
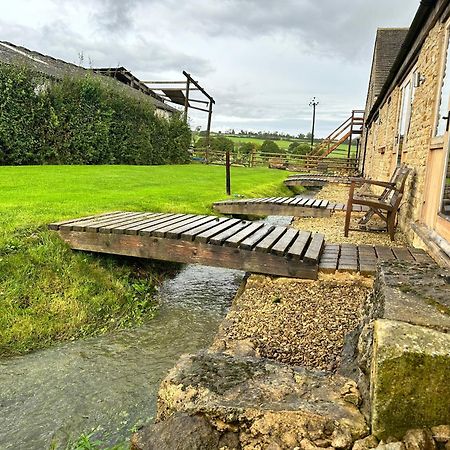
<point>286,161</point>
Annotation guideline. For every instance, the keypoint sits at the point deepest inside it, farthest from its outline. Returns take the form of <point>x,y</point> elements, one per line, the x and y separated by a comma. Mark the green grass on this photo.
<point>342,152</point>
<point>50,293</point>
<point>281,143</point>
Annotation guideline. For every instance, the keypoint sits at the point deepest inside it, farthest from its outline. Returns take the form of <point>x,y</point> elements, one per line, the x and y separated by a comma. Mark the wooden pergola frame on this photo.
<point>176,87</point>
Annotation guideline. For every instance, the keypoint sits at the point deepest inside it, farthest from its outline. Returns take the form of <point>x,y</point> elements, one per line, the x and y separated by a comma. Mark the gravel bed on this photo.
<point>333,229</point>
<point>297,322</point>
<point>334,192</point>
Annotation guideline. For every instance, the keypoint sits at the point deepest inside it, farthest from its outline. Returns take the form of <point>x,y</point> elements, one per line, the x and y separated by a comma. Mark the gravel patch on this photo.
<point>299,322</point>
<point>337,193</point>
<point>333,229</point>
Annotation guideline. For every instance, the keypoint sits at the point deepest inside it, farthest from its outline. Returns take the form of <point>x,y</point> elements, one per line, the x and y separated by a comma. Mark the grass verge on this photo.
<point>50,293</point>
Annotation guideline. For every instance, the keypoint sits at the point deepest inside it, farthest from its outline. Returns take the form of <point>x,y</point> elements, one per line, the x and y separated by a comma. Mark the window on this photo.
<point>407,91</point>
<point>445,204</point>
<point>441,123</point>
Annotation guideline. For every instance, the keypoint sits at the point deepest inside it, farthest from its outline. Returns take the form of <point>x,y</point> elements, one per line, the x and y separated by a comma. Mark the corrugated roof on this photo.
<point>388,42</point>
<point>57,68</point>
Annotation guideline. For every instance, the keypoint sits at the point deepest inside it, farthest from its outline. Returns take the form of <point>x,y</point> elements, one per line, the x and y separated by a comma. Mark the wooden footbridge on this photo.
<point>222,242</point>
<point>297,206</point>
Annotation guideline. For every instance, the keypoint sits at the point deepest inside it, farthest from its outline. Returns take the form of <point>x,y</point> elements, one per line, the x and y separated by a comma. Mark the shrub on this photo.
<point>300,149</point>
<point>82,120</point>
<point>216,143</point>
<point>246,148</point>
<point>270,147</point>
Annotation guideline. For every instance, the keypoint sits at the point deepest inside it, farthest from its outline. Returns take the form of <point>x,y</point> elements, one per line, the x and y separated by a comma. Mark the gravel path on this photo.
<point>295,321</point>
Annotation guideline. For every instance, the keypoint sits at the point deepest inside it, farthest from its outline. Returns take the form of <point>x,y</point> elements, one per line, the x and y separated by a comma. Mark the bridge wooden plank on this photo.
<point>129,221</point>
<point>188,219</point>
<point>56,225</point>
<point>384,253</point>
<point>220,238</point>
<point>176,233</point>
<point>96,227</point>
<point>402,254</point>
<point>204,236</point>
<point>281,247</point>
<point>269,241</point>
<point>134,229</point>
<point>250,242</point>
<point>83,225</point>
<point>138,221</point>
<point>309,203</point>
<point>91,219</point>
<point>190,234</point>
<point>420,255</point>
<point>300,244</point>
<point>314,249</point>
<point>236,239</point>
<point>148,230</point>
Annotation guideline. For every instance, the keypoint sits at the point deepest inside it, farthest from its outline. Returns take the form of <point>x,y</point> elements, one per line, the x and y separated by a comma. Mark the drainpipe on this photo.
<point>365,149</point>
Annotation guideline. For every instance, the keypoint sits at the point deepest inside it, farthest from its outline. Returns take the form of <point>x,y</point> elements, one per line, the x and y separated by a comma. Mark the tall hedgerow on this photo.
<point>82,120</point>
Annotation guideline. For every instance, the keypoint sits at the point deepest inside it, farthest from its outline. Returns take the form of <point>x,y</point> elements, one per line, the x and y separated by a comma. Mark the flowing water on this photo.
<point>110,382</point>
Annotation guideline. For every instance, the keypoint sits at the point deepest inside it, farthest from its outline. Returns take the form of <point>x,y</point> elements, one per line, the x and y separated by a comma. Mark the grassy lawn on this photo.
<point>342,152</point>
<point>49,292</point>
<point>281,143</point>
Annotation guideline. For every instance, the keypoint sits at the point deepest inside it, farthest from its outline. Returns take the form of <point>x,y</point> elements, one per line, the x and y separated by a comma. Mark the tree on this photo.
<point>270,147</point>
<point>300,149</point>
<point>246,148</point>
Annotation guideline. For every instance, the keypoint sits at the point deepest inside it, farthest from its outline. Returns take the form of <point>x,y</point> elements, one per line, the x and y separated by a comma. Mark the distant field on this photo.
<point>340,152</point>
<point>281,143</point>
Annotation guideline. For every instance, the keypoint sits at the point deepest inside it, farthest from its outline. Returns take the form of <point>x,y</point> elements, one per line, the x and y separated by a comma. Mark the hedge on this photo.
<point>82,120</point>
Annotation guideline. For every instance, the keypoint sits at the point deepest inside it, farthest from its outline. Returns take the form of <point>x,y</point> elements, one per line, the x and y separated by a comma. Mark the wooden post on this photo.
<point>208,131</point>
<point>186,99</point>
<point>227,172</point>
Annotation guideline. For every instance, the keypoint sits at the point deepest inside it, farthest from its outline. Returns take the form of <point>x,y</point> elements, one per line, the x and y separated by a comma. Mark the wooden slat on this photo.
<point>129,221</point>
<point>83,225</point>
<point>123,220</point>
<point>250,242</point>
<point>120,229</point>
<point>281,247</point>
<point>56,225</point>
<point>204,236</point>
<point>402,254</point>
<point>134,229</point>
<point>384,253</point>
<point>421,256</point>
<point>269,241</point>
<point>236,239</point>
<point>148,230</point>
<point>219,239</point>
<point>176,233</point>
<point>300,244</point>
<point>314,248</point>
<point>190,234</point>
<point>189,219</point>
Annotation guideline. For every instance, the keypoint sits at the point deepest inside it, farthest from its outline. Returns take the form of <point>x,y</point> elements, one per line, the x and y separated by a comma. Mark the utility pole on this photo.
<point>313,103</point>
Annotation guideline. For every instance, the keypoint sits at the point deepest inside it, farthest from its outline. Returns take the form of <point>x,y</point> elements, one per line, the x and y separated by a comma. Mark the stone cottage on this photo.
<point>407,121</point>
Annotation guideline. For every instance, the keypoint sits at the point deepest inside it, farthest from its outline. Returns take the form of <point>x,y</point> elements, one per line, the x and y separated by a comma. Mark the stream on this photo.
<point>108,384</point>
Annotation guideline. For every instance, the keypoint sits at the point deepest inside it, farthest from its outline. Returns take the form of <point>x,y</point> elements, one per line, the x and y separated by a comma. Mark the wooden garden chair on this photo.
<point>384,206</point>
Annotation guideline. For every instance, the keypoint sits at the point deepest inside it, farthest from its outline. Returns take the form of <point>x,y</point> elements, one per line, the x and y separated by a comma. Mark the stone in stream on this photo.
<point>262,402</point>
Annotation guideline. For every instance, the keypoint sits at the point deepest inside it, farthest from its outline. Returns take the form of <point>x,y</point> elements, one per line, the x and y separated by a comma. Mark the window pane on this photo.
<point>445,93</point>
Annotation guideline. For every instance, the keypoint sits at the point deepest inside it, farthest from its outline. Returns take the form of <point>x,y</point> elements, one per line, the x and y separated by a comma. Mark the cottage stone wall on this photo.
<point>381,148</point>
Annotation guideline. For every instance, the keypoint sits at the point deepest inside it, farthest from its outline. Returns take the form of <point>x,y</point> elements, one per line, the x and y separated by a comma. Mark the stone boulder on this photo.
<point>410,378</point>
<point>263,402</point>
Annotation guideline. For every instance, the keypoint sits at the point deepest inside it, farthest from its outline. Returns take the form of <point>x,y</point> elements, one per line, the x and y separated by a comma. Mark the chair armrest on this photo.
<point>385,184</point>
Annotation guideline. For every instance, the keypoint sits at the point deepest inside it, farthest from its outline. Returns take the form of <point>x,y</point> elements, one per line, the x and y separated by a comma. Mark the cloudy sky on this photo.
<point>262,60</point>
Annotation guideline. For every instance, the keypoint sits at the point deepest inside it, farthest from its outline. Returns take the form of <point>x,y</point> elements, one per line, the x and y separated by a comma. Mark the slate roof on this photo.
<point>388,42</point>
<point>57,68</point>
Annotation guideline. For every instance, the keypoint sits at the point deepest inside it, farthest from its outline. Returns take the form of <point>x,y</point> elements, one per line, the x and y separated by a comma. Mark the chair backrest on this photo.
<point>397,192</point>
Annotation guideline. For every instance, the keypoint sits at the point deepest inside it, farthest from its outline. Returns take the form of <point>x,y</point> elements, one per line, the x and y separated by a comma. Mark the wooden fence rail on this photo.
<point>288,161</point>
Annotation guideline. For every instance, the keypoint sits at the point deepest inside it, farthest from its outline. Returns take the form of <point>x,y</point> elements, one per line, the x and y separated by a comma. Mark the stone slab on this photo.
<point>263,401</point>
<point>410,378</point>
<point>416,293</point>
